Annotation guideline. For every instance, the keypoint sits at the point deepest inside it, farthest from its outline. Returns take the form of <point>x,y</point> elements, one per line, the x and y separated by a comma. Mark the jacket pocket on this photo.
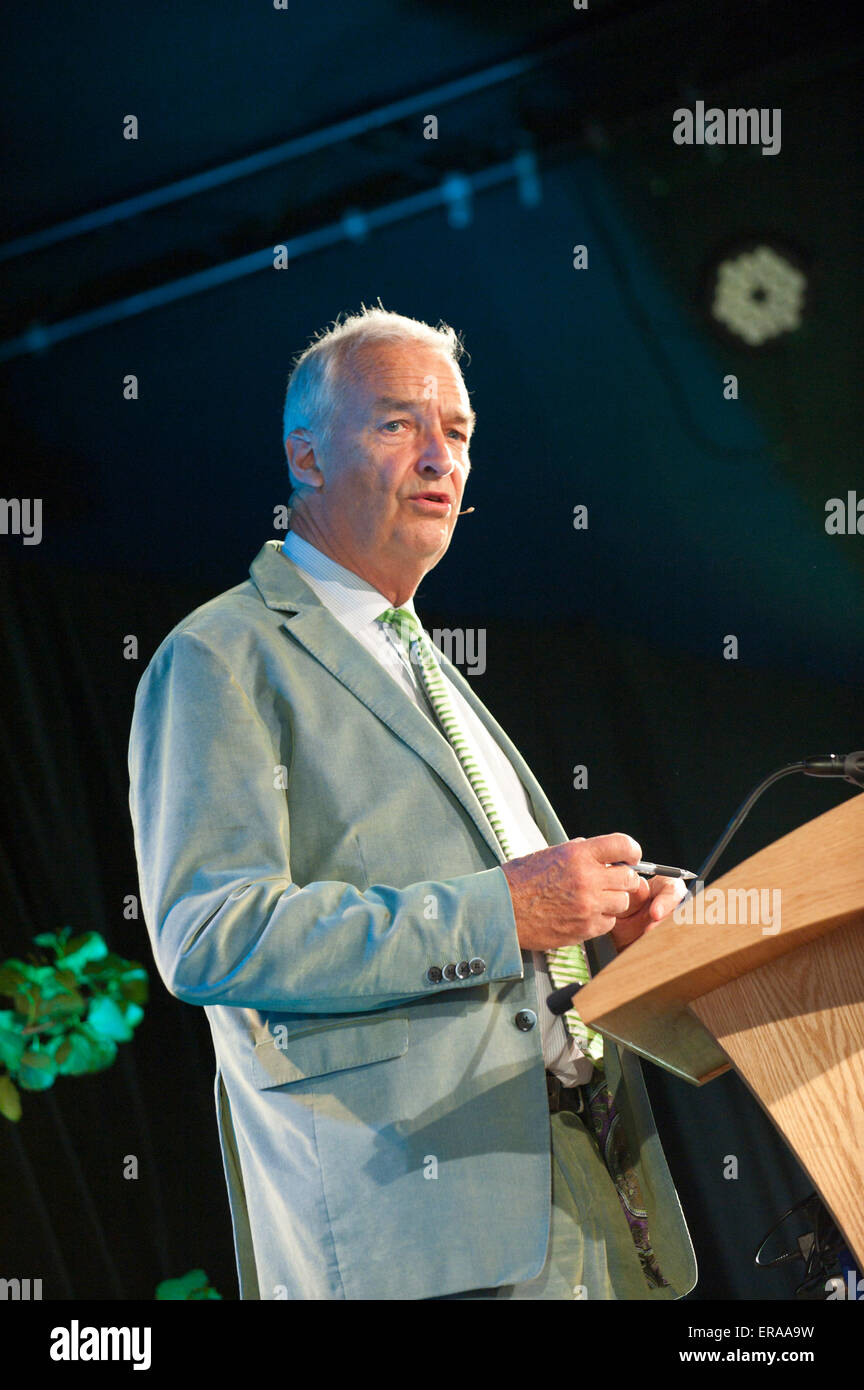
<point>280,1060</point>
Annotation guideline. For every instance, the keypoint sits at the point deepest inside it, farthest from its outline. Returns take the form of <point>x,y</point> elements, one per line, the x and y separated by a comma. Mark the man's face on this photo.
<point>396,461</point>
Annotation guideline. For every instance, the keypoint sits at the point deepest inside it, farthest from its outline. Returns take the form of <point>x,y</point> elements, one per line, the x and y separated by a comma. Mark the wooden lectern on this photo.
<point>768,977</point>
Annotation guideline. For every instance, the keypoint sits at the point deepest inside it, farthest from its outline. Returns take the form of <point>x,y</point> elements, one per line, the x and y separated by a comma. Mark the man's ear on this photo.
<point>303,467</point>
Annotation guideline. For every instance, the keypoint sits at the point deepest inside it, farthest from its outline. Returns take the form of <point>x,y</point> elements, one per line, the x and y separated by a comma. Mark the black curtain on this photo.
<point>671,745</point>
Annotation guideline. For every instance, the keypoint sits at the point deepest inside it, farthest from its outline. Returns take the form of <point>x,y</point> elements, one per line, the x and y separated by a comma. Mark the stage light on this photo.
<point>757,292</point>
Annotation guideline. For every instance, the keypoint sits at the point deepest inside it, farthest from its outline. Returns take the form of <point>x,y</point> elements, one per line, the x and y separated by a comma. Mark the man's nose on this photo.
<point>436,454</point>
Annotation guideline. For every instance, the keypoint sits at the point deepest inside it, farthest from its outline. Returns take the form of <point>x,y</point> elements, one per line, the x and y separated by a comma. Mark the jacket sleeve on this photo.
<point>212,838</point>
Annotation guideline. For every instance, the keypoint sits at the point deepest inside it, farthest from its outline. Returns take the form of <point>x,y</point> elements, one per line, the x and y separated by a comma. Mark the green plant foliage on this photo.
<point>71,1005</point>
<point>10,1100</point>
<point>194,1285</point>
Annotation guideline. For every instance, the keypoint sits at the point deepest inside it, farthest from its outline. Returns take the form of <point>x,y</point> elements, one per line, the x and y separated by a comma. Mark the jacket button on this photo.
<point>449,971</point>
<point>525,1019</point>
<point>477,965</point>
<point>463,970</point>
<point>433,974</point>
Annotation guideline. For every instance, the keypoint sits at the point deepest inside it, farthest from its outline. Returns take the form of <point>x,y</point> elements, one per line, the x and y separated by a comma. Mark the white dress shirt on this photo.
<point>357,605</point>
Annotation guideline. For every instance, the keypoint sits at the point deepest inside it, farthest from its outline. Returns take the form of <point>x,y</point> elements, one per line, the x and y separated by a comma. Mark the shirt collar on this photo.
<point>351,599</point>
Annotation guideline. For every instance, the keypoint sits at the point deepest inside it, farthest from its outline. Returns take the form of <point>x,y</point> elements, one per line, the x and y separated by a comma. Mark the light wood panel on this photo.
<point>795,1032</point>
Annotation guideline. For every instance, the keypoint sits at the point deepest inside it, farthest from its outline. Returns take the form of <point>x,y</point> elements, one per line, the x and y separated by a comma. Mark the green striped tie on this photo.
<point>567,964</point>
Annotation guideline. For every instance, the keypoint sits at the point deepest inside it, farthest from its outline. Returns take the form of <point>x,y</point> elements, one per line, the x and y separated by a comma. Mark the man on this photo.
<point>346,862</point>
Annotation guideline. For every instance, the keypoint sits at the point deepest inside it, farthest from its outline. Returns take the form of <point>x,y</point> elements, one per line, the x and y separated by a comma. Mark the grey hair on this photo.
<point>315,372</point>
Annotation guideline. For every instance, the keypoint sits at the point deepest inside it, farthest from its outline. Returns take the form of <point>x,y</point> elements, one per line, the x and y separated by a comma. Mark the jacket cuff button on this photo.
<point>463,970</point>
<point>449,971</point>
<point>433,974</point>
<point>477,965</point>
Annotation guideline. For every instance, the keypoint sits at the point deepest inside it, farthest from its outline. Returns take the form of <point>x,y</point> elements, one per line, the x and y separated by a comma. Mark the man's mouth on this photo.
<point>438,499</point>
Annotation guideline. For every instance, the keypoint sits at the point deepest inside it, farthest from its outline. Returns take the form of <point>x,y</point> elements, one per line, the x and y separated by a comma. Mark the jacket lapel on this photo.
<point>310,622</point>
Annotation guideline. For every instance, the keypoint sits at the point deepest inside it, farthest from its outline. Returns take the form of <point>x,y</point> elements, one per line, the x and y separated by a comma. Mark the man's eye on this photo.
<point>392,422</point>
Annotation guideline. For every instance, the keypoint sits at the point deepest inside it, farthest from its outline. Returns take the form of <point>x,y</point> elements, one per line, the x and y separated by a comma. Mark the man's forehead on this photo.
<point>413,373</point>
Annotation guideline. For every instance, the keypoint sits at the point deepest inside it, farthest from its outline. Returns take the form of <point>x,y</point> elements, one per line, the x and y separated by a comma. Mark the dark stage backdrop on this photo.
<point>671,741</point>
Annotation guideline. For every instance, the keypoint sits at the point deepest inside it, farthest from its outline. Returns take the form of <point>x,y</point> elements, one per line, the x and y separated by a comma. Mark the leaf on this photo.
<point>133,985</point>
<point>73,1054</point>
<point>42,982</point>
<point>10,976</point>
<point>10,1100</point>
<point>36,1071</point>
<point>12,1043</point>
<point>194,1285</point>
<point>31,970</point>
<point>82,951</point>
<point>24,1006</point>
<point>106,1018</point>
<point>59,1006</point>
<point>108,962</point>
<point>132,1013</point>
<point>42,995</point>
<point>51,940</point>
<point>87,1053</point>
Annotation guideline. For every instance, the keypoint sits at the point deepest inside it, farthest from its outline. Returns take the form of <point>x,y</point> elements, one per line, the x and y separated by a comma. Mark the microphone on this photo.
<point>467,512</point>
<point>850,767</point>
<point>560,1000</point>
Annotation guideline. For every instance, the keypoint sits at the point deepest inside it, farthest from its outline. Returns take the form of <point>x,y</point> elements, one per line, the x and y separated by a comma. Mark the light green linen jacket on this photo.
<point>308,847</point>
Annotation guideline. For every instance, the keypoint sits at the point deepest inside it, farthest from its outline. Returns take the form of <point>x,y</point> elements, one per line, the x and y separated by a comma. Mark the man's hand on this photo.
<point>652,902</point>
<point>574,891</point>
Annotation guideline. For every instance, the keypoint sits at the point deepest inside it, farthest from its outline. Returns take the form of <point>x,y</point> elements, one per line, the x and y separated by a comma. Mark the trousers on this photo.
<point>591,1254</point>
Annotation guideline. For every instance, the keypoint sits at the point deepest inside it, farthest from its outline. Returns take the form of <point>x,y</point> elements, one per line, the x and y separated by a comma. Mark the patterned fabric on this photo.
<point>417,644</point>
<point>605,1122</point>
<point>567,964</point>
